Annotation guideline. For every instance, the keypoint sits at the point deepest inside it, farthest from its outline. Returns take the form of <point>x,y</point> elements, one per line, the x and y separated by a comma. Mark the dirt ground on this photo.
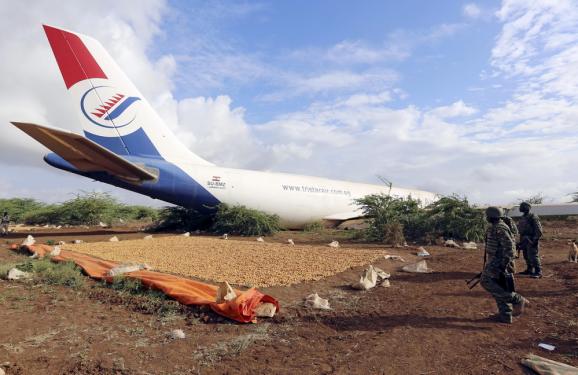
<point>422,324</point>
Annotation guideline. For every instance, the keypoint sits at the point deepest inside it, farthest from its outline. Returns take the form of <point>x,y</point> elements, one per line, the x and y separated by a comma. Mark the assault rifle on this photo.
<point>471,283</point>
<point>523,243</point>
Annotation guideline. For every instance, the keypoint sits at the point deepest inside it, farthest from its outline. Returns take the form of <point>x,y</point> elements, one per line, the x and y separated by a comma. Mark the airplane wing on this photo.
<point>84,154</point>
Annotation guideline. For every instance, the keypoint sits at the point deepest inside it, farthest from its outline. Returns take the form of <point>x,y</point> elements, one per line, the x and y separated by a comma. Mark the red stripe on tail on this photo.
<point>75,61</point>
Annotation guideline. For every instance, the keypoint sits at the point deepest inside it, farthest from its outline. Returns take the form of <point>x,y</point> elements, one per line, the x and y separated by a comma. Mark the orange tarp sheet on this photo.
<point>186,291</point>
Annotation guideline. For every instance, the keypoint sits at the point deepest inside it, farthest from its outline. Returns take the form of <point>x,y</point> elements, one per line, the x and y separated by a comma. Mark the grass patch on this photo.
<point>314,227</point>
<point>128,285</point>
<point>63,273</point>
<point>131,292</point>
<point>48,272</point>
<point>234,347</point>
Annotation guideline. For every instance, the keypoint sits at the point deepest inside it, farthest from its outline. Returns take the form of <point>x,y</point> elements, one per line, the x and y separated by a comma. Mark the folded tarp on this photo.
<point>185,291</point>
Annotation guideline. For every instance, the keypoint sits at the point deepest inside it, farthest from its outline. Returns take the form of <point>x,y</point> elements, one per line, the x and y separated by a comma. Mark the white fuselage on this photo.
<point>296,199</point>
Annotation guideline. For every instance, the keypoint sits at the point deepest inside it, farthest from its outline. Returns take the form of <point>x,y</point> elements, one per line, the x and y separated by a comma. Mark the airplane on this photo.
<point>127,144</point>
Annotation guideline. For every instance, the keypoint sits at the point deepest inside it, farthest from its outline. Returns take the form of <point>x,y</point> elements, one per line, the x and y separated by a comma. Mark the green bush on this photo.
<point>392,220</point>
<point>185,219</point>
<point>87,209</point>
<point>453,217</point>
<point>244,221</point>
<point>18,207</point>
<point>47,214</point>
<point>136,213</point>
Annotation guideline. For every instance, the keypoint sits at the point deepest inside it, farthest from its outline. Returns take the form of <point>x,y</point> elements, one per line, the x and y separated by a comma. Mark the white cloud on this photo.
<point>354,52</point>
<point>457,109</point>
<point>333,82</point>
<point>472,10</point>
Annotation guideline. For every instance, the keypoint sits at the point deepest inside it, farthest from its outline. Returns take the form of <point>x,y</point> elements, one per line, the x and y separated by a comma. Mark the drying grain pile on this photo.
<point>238,262</point>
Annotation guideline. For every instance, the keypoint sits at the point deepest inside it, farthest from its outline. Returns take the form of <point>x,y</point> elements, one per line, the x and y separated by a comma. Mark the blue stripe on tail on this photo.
<point>137,144</point>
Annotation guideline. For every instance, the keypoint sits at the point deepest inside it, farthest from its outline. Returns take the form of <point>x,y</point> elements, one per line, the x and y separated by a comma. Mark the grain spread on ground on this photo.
<point>248,263</point>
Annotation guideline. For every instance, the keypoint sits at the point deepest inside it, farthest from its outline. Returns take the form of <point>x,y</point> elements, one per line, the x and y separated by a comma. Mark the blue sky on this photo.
<point>439,51</point>
<point>466,97</point>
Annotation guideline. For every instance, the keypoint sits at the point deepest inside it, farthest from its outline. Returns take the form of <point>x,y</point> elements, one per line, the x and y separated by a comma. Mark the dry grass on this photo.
<point>238,262</point>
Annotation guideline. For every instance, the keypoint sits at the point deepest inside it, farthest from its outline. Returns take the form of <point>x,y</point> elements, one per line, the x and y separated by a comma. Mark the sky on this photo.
<point>478,99</point>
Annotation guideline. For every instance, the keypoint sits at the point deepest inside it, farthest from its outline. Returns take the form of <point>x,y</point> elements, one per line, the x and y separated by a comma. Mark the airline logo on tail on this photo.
<point>108,107</point>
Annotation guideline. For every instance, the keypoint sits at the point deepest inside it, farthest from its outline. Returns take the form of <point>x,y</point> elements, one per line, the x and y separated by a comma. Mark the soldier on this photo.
<point>497,277</point>
<point>530,233</point>
<point>512,225</point>
<point>513,229</point>
<point>4,223</point>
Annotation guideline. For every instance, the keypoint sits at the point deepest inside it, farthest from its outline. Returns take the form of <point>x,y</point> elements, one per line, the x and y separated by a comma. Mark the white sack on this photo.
<point>419,267</point>
<point>265,310</point>
<point>16,274</point>
<point>225,293</point>
<point>316,302</point>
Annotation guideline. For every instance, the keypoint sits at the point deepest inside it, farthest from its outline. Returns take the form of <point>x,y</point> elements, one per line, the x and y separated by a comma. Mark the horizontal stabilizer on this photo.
<point>84,154</point>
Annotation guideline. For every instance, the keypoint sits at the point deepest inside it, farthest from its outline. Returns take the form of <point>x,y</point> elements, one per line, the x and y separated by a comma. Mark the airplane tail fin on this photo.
<point>113,113</point>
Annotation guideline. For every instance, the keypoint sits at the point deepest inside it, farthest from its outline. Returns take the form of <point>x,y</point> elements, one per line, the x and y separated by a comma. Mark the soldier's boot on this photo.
<point>518,308</point>
<point>529,270</point>
<point>537,274</point>
<point>502,318</point>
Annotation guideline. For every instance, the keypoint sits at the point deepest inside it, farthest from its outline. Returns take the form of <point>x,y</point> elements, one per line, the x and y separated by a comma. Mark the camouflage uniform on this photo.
<point>530,233</point>
<point>512,225</point>
<point>4,223</point>
<point>500,247</point>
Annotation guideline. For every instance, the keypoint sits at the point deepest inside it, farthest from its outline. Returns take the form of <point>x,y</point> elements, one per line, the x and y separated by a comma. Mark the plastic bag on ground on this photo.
<point>394,257</point>
<point>55,251</point>
<point>265,310</point>
<point>470,245</point>
<point>385,283</point>
<point>225,236</point>
<point>545,366</point>
<point>126,268</point>
<point>186,234</point>
<point>77,241</point>
<point>28,241</point>
<point>225,293</point>
<point>452,243</point>
<point>316,302</point>
<point>334,244</point>
<point>177,334</point>
<point>113,239</point>
<point>290,242</point>
<point>422,252</point>
<point>260,239</point>
<point>16,274</point>
<point>370,278</point>
<point>419,267</point>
